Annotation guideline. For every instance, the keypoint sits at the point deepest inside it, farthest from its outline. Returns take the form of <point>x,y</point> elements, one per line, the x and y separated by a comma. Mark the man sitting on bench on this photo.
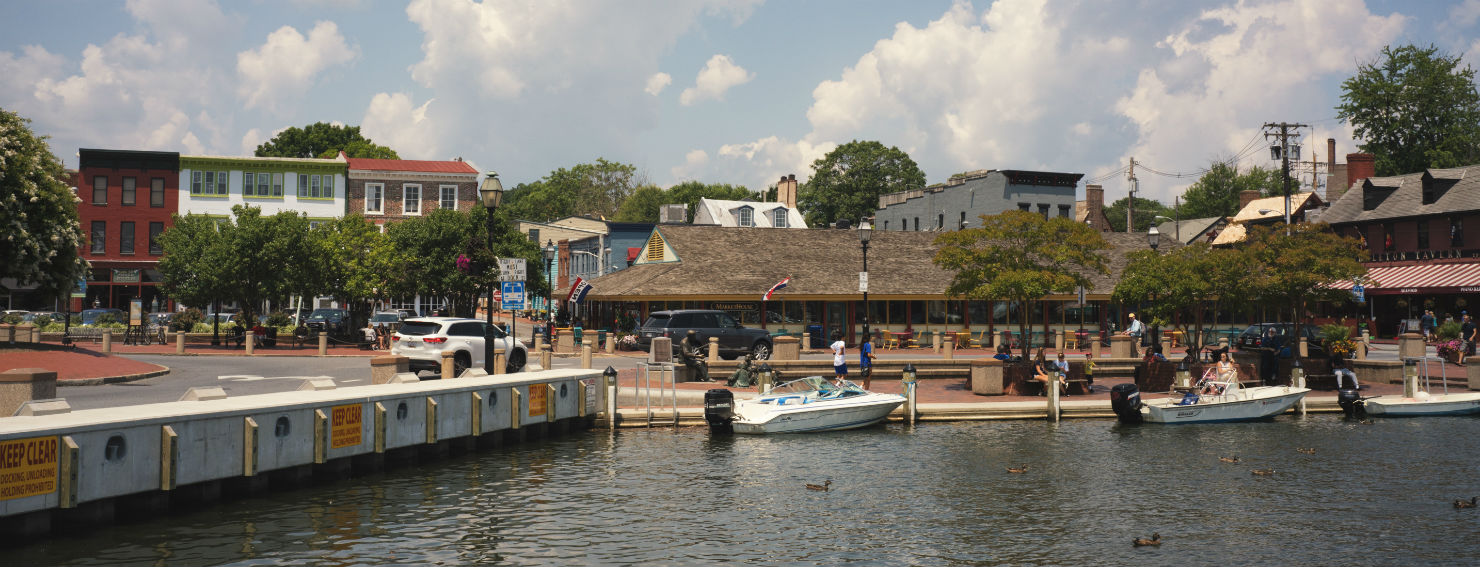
<point>1339,368</point>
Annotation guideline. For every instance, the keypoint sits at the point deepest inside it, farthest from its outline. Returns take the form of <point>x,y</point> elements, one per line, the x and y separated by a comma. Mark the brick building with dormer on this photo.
<point>389,190</point>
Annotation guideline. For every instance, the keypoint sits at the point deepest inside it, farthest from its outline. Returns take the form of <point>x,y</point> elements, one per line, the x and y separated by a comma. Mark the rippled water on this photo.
<point>934,494</point>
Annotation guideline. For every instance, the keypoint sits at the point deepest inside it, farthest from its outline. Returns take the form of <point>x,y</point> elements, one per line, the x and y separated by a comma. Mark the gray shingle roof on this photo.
<point>745,262</point>
<point>1461,194</point>
<point>1191,229</point>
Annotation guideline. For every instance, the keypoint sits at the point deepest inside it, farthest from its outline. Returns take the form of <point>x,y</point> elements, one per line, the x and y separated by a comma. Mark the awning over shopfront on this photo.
<point>1421,278</point>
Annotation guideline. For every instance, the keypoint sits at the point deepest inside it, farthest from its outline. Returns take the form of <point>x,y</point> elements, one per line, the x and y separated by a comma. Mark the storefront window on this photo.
<point>917,312</point>
<point>955,312</point>
<point>980,312</point>
<point>896,313</point>
<point>935,312</point>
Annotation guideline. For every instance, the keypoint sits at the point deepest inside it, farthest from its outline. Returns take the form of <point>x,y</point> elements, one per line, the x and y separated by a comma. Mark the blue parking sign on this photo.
<point>513,296</point>
<point>1359,294</point>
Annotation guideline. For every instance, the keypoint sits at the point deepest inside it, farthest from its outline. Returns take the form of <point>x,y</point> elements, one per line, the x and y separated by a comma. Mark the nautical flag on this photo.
<point>775,288</point>
<point>579,290</point>
<point>572,292</point>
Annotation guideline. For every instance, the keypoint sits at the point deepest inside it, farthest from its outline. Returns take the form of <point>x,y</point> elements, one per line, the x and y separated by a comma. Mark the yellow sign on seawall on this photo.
<point>345,424</point>
<point>537,397</point>
<point>28,467</point>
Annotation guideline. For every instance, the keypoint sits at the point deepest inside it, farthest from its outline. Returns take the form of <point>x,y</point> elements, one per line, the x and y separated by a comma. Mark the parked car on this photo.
<point>334,321</point>
<point>407,313</point>
<point>390,319</point>
<point>32,316</point>
<point>424,339</point>
<point>224,318</point>
<point>90,316</point>
<point>1257,336</point>
<point>735,340</point>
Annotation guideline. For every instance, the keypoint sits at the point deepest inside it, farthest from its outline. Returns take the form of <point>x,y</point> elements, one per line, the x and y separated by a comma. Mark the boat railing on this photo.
<point>643,388</point>
<point>1425,375</point>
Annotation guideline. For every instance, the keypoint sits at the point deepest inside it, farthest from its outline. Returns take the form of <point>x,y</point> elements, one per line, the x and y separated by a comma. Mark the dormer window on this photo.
<point>744,216</point>
<point>778,218</point>
<point>1373,194</point>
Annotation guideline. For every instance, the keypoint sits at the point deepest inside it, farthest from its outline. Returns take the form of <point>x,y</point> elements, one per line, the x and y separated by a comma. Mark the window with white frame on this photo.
<point>130,191</point>
<point>411,199</point>
<point>328,190</point>
<point>374,197</point>
<point>313,186</point>
<point>277,184</point>
<point>249,181</point>
<point>743,216</point>
<point>100,190</point>
<point>448,198</point>
<point>195,182</point>
<point>302,185</point>
<point>778,218</point>
<point>264,183</point>
<point>222,187</point>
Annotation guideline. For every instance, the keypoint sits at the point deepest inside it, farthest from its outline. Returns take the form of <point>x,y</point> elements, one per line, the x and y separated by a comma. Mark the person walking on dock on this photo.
<point>840,360</point>
<point>866,361</point>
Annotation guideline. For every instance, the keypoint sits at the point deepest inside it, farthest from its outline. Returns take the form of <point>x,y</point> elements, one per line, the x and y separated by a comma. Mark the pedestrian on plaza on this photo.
<point>866,361</point>
<point>1467,332</point>
<point>1135,329</point>
<point>1089,371</point>
<point>1002,353</point>
<point>840,361</point>
<point>1046,372</point>
<point>1426,323</point>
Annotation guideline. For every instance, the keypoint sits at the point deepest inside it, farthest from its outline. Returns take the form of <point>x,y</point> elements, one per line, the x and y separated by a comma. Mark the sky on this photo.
<point>717,91</point>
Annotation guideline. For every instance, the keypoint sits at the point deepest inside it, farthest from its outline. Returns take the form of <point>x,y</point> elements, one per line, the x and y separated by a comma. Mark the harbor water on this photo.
<point>932,494</point>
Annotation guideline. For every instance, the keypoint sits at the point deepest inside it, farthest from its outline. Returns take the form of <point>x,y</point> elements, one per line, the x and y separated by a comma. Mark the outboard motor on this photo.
<point>1125,399</point>
<point>719,410</point>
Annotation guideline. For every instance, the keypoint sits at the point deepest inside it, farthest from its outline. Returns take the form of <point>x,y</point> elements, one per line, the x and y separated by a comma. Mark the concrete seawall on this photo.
<point>83,466</point>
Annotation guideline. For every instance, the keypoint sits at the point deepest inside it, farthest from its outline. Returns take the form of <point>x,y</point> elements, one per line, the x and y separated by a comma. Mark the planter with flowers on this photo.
<point>1450,350</point>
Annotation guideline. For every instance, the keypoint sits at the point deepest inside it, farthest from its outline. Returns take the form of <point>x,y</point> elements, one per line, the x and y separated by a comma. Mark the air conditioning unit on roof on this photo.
<point>673,214</point>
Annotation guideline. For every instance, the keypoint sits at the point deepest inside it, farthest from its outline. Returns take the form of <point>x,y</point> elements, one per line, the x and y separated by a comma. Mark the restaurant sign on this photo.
<point>125,275</point>
<point>733,305</point>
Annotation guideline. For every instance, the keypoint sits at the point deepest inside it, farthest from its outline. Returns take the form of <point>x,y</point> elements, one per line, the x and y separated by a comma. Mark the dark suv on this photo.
<point>1257,336</point>
<point>335,321</point>
<point>734,340</point>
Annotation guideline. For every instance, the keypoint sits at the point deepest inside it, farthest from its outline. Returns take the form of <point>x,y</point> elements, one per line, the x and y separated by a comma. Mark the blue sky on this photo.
<point>731,91</point>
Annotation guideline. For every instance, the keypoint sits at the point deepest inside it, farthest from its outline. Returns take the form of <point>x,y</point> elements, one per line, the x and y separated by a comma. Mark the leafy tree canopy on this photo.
<point>249,259</point>
<point>38,217</point>
<point>1146,211</point>
<point>643,204</point>
<point>846,183</point>
<point>1215,194</point>
<point>1019,256</point>
<point>1160,285</point>
<point>1292,271</point>
<point>593,189</point>
<point>323,140</point>
<point>1414,108</point>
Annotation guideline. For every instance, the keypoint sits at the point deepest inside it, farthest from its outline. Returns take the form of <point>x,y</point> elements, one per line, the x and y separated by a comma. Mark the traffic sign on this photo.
<point>511,270</point>
<point>511,297</point>
<point>1359,294</point>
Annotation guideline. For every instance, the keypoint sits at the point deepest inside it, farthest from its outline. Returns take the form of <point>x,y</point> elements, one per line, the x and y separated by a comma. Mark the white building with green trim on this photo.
<point>211,185</point>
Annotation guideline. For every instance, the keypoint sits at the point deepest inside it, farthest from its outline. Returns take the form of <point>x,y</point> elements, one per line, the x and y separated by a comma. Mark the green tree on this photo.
<point>1146,211</point>
<point>268,257</point>
<point>195,266</point>
<point>1414,108</point>
<point>1216,193</point>
<point>431,245</point>
<point>643,204</point>
<point>846,183</point>
<point>357,263</point>
<point>1018,256</point>
<point>1161,286</point>
<point>1292,271</point>
<point>37,216</point>
<point>592,189</point>
<point>323,140</point>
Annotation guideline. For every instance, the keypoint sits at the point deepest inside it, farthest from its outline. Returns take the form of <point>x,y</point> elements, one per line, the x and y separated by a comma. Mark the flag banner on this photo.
<point>579,291</point>
<point>572,291</point>
<point>779,285</point>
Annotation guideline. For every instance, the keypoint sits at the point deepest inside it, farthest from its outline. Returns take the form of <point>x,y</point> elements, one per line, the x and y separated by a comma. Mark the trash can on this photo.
<point>817,338</point>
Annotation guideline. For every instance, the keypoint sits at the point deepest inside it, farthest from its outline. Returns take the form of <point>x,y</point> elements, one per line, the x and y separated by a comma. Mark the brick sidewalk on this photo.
<point>80,366</point>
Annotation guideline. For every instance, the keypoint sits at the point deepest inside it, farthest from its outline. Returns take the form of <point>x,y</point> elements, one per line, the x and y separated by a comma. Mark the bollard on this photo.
<point>107,341</point>
<point>907,377</point>
<point>806,341</point>
<point>1362,351</point>
<point>1297,377</point>
<point>950,347</point>
<point>250,342</point>
<point>546,357</point>
<point>323,343</point>
<point>446,369</point>
<point>611,343</point>
<point>1052,386</point>
<point>1304,352</point>
<point>1166,345</point>
<point>1060,340</point>
<point>500,363</point>
<point>179,342</point>
<point>610,381</point>
<point>713,350</point>
<point>586,352</point>
<point>935,342</point>
<point>1094,344</point>
<point>538,342</point>
<point>1410,378</point>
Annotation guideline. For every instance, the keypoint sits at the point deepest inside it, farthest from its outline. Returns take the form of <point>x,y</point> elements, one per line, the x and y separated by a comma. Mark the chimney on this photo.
<point>786,191</point>
<point>1094,205</point>
<point>1360,167</point>
<point>1246,197</point>
<point>1330,153</point>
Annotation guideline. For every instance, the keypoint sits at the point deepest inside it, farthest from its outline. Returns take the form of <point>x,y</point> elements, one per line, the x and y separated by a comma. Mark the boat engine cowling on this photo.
<point>719,409</point>
<point>1351,403</point>
<point>1125,399</point>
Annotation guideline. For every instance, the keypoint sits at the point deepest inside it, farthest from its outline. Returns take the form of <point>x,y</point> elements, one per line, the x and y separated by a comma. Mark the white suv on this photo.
<point>424,339</point>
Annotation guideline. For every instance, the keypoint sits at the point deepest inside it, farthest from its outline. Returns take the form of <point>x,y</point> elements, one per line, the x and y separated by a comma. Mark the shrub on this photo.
<point>106,319</point>
<point>41,321</point>
<point>1449,331</point>
<point>11,319</point>
<point>1332,333</point>
<point>279,319</point>
<point>186,320</point>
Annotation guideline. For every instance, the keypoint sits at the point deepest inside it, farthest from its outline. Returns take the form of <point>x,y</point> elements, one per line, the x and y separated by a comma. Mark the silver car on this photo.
<point>424,339</point>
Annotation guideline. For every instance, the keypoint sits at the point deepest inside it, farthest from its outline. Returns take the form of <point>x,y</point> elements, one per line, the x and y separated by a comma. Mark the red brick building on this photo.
<point>388,190</point>
<point>126,199</point>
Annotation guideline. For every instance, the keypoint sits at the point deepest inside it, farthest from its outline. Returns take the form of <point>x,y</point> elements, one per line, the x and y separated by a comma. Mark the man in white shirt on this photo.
<point>840,362</point>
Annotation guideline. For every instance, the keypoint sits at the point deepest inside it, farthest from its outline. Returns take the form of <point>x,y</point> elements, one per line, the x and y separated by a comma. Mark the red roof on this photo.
<point>452,166</point>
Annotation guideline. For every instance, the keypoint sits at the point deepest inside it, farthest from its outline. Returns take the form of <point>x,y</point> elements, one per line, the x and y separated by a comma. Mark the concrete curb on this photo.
<point>113,379</point>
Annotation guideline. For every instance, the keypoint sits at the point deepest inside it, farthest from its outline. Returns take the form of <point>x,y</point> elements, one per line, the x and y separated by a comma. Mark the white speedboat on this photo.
<point>1423,401</point>
<point>1211,401</point>
<point>804,405</point>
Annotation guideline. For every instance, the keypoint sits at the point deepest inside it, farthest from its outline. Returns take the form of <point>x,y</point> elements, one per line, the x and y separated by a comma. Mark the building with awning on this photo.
<point>712,267</point>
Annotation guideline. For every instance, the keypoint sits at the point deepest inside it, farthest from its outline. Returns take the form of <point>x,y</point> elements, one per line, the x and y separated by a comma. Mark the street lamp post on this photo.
<point>865,232</point>
<point>1176,226</point>
<point>1153,238</point>
<point>492,193</point>
<point>549,288</point>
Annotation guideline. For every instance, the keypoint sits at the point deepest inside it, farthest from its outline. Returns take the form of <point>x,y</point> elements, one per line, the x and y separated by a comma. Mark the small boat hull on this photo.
<point>1466,403</point>
<point>823,415</point>
<point>1249,404</point>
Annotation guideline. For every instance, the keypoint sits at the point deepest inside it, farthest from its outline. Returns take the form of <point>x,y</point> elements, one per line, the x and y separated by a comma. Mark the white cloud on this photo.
<point>718,76</point>
<point>657,83</point>
<point>281,70</point>
<point>250,141</point>
<point>394,121</point>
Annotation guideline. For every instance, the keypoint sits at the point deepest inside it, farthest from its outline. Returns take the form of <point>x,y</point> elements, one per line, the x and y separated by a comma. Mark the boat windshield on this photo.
<point>819,386</point>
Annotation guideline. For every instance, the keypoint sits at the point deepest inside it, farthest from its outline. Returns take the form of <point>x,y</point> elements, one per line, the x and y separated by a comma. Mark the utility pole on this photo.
<point>1130,200</point>
<point>1283,154</point>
